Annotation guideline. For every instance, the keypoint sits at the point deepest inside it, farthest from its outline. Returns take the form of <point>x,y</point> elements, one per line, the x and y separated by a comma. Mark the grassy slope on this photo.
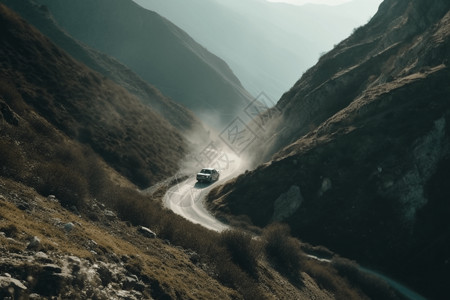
<point>85,106</point>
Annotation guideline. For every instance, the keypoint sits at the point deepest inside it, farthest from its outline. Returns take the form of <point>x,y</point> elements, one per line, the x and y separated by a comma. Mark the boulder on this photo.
<point>146,232</point>
<point>35,244</point>
<point>287,204</point>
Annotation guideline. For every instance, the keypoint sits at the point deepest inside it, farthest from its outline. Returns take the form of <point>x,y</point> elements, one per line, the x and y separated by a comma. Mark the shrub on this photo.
<point>11,95</point>
<point>69,186</point>
<point>10,230</point>
<point>328,278</point>
<point>371,285</point>
<point>231,275</point>
<point>243,249</point>
<point>282,249</point>
<point>11,160</point>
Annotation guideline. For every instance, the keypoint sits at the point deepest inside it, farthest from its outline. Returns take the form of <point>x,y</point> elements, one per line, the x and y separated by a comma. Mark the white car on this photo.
<point>208,175</point>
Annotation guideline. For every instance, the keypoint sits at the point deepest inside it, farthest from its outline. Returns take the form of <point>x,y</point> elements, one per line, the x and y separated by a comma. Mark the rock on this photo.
<point>91,245</point>
<point>56,221</point>
<point>109,214</point>
<point>42,257</point>
<point>51,198</point>
<point>8,282</point>
<point>23,206</point>
<point>74,209</point>
<point>146,232</point>
<point>287,204</point>
<point>326,186</point>
<point>410,187</point>
<point>68,227</point>
<point>105,274</point>
<point>35,244</point>
<point>52,268</point>
<point>74,260</point>
<point>129,295</point>
<point>8,114</point>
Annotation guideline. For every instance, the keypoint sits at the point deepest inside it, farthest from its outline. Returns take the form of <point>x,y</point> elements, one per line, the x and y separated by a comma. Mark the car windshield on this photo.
<point>205,171</point>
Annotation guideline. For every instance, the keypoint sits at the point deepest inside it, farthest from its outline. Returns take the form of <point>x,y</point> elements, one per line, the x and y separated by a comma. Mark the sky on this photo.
<point>301,2</point>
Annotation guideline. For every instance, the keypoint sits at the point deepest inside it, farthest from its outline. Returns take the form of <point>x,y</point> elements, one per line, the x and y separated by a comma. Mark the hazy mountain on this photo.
<point>39,16</point>
<point>73,227</point>
<point>363,149</point>
<point>267,45</point>
<point>86,107</point>
<point>158,51</point>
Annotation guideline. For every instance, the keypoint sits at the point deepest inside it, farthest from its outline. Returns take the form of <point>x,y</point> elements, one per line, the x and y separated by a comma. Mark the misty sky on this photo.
<point>301,2</point>
<point>370,5</point>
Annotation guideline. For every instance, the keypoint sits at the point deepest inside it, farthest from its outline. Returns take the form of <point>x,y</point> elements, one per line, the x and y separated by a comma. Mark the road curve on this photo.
<point>187,198</point>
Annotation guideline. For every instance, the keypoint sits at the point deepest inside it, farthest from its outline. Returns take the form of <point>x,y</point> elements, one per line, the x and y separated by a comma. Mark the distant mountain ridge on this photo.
<point>364,140</point>
<point>40,81</point>
<point>158,51</point>
<point>268,45</point>
<point>41,18</point>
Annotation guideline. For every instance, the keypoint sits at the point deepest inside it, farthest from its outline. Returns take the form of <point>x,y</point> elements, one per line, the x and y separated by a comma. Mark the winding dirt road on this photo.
<point>187,197</point>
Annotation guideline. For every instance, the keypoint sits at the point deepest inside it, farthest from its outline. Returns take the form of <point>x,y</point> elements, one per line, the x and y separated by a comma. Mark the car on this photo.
<point>208,175</point>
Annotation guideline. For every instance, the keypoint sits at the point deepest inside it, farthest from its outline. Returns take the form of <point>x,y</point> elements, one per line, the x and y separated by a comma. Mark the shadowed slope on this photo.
<point>364,137</point>
<point>87,107</point>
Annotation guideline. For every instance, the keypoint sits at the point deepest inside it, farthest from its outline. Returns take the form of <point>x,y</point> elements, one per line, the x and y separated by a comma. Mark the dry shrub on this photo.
<point>282,249</point>
<point>68,185</point>
<point>12,163</point>
<point>328,278</point>
<point>372,286</point>
<point>9,93</point>
<point>232,255</point>
<point>132,206</point>
<point>243,249</point>
<point>10,230</point>
<point>231,275</point>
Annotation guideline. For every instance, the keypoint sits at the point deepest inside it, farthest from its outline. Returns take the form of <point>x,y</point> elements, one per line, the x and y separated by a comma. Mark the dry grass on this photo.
<point>151,259</point>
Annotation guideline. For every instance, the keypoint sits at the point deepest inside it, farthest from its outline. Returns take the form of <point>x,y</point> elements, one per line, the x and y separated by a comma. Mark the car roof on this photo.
<point>208,169</point>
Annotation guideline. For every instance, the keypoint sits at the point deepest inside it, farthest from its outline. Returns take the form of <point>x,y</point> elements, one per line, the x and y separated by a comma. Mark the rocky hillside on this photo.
<point>38,16</point>
<point>188,73</point>
<point>40,81</point>
<point>73,227</point>
<point>363,149</point>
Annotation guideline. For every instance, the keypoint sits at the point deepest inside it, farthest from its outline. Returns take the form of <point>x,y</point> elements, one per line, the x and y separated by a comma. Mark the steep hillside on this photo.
<point>85,106</point>
<point>158,51</point>
<point>267,45</point>
<point>73,228</point>
<point>363,142</point>
<point>41,18</point>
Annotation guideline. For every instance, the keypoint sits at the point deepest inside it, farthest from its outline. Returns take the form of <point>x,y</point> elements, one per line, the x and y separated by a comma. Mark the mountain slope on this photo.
<point>267,45</point>
<point>72,227</point>
<point>363,149</point>
<point>39,17</point>
<point>86,107</point>
<point>158,51</point>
